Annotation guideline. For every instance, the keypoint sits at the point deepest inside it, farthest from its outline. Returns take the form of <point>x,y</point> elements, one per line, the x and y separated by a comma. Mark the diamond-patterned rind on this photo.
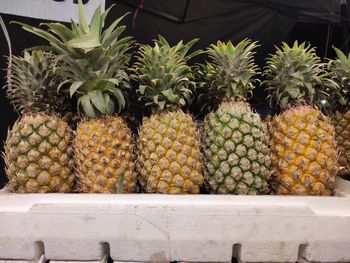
<point>105,158</point>
<point>304,153</point>
<point>169,157</point>
<point>39,155</point>
<point>236,151</point>
<point>341,122</point>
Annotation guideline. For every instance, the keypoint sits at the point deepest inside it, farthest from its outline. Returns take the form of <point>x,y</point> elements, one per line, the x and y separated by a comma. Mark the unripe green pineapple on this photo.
<point>38,152</point>
<point>93,64</point>
<point>169,158</point>
<point>235,145</point>
<point>339,104</point>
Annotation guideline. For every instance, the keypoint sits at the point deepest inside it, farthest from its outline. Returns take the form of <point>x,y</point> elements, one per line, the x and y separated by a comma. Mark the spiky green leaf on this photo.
<point>87,41</point>
<point>165,79</point>
<point>295,76</point>
<point>74,87</point>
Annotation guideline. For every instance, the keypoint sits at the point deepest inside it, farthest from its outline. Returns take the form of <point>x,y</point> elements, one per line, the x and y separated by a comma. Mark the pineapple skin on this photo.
<point>341,122</point>
<point>236,152</point>
<point>169,156</point>
<point>104,154</point>
<point>39,155</point>
<point>304,153</point>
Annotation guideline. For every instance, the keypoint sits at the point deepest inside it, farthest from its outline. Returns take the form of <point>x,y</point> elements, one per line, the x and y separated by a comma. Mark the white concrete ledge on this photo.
<point>162,228</point>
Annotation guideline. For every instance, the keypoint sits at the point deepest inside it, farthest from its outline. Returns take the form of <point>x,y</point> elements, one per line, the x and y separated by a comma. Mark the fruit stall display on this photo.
<point>180,188</point>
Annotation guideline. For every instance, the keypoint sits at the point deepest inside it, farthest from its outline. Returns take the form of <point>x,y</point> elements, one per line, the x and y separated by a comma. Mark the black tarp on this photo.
<point>319,11</point>
<point>268,21</point>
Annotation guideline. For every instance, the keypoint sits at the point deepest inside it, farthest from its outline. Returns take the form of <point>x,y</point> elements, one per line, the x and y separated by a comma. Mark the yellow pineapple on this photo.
<point>169,158</point>
<point>93,64</point>
<point>105,156</point>
<point>38,151</point>
<point>303,147</point>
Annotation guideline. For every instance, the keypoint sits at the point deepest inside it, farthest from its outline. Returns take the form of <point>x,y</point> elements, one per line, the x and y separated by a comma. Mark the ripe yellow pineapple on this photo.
<point>105,156</point>
<point>339,104</point>
<point>235,144</point>
<point>303,147</point>
<point>93,66</point>
<point>38,152</point>
<point>169,158</point>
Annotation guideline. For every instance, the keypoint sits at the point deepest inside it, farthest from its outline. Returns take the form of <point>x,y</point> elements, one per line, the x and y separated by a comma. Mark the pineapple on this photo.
<point>303,146</point>
<point>38,151</point>
<point>93,66</point>
<point>340,103</point>
<point>235,142</point>
<point>169,158</point>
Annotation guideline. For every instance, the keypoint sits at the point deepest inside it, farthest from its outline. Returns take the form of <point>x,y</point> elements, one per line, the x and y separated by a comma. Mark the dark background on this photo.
<point>321,22</point>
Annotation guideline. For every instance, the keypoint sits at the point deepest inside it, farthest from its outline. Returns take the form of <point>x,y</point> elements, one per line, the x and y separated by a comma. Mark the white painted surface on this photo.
<point>62,10</point>
<point>162,228</point>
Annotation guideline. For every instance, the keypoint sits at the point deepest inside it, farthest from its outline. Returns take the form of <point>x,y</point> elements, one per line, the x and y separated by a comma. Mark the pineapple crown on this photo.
<point>164,76</point>
<point>94,61</point>
<point>296,76</point>
<point>32,83</point>
<point>340,72</point>
<point>232,68</point>
<point>230,73</point>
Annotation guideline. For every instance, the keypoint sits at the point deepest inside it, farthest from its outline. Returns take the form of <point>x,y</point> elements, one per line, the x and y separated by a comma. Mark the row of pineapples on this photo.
<point>233,152</point>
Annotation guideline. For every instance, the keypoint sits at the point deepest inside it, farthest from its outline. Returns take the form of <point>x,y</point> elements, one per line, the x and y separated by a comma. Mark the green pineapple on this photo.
<point>169,158</point>
<point>38,152</point>
<point>235,142</point>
